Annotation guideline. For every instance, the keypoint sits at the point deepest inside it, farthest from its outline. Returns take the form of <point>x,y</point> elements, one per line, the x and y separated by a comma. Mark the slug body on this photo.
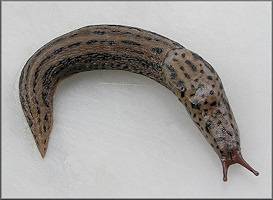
<point>113,47</point>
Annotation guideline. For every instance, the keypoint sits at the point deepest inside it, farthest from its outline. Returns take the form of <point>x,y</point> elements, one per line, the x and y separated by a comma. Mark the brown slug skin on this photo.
<point>115,47</point>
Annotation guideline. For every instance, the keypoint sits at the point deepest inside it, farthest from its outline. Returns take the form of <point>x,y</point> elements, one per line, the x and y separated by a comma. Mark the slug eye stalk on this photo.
<point>233,159</point>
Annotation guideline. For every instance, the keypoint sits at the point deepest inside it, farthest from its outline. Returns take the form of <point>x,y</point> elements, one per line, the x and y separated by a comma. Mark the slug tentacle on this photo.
<point>112,47</point>
<point>233,159</point>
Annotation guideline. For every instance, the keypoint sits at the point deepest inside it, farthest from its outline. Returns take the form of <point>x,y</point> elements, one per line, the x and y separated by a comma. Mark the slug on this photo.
<point>113,47</point>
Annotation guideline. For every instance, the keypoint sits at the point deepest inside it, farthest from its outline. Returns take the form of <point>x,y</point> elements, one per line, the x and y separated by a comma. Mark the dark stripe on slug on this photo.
<point>91,42</point>
<point>43,61</point>
<point>99,32</point>
<point>138,52</point>
<point>208,66</point>
<point>58,40</point>
<point>75,34</point>
<point>44,95</point>
<point>226,131</point>
<point>39,52</point>
<point>27,72</point>
<point>29,121</point>
<point>196,57</point>
<point>58,50</point>
<point>131,42</point>
<point>75,44</point>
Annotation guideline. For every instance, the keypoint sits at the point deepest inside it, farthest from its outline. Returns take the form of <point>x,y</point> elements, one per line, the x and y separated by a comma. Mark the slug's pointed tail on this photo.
<point>235,158</point>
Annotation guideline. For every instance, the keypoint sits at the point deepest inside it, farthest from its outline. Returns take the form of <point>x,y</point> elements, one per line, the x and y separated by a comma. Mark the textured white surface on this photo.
<point>118,134</point>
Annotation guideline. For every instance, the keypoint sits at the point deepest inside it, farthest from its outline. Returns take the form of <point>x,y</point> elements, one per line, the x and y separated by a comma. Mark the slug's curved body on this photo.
<point>112,47</point>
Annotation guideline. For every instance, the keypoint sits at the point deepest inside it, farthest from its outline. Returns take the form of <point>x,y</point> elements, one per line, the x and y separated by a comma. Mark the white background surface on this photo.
<point>118,134</point>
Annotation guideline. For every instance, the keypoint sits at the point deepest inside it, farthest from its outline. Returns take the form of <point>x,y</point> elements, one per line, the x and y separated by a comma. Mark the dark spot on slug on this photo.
<point>182,68</point>
<point>180,84</point>
<point>38,110</point>
<point>187,75</point>
<point>44,128</point>
<point>195,104</point>
<point>183,93</point>
<point>196,80</point>
<point>183,55</point>
<point>170,67</point>
<point>208,126</point>
<point>218,123</point>
<point>209,77</point>
<point>213,103</point>
<point>202,71</point>
<point>221,86</point>
<point>191,65</point>
<point>173,75</point>
<point>157,50</point>
<point>219,139</point>
<point>148,38</point>
<point>46,118</point>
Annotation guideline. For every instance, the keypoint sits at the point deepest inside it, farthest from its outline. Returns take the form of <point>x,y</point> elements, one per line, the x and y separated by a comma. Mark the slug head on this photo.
<point>198,86</point>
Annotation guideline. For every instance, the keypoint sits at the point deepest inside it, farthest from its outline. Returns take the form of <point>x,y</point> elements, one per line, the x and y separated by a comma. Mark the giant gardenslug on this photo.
<point>192,79</point>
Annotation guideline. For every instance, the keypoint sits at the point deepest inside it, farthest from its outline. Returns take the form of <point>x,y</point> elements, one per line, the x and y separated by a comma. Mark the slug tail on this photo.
<point>235,158</point>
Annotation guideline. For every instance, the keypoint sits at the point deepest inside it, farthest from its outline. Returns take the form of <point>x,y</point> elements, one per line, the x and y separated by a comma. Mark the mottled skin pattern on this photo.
<point>113,47</point>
